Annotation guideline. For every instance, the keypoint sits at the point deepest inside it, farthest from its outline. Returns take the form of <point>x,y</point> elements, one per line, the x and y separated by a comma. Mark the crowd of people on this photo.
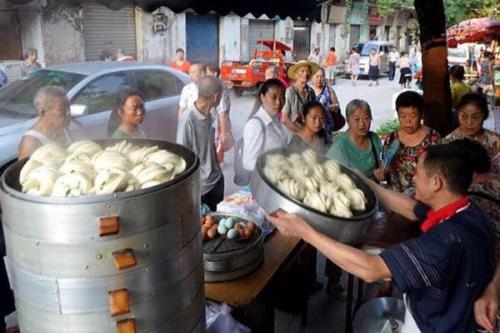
<point>450,184</point>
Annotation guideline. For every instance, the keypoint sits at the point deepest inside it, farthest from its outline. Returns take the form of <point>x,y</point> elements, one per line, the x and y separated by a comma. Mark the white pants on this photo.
<point>409,326</point>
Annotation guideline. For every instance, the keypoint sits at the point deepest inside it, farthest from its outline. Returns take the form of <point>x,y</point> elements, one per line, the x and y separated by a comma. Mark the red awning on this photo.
<point>274,44</point>
<point>473,31</point>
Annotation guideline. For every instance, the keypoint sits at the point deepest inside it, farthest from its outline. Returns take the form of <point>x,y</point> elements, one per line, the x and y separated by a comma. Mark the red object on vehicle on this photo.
<point>245,75</point>
<point>473,31</point>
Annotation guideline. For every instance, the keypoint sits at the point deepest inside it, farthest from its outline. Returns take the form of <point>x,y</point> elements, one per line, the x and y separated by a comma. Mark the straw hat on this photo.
<point>313,67</point>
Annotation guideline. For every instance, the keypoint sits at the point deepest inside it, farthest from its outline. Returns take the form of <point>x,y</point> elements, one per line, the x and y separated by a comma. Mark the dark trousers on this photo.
<point>392,70</point>
<point>332,271</point>
<point>215,195</point>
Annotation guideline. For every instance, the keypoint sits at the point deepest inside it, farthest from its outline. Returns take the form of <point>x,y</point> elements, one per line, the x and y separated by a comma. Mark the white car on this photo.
<point>382,47</point>
<point>458,55</point>
<point>91,89</point>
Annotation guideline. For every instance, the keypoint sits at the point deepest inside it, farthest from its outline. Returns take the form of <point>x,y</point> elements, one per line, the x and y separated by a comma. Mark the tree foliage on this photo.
<point>455,10</point>
<point>460,10</point>
<point>386,7</point>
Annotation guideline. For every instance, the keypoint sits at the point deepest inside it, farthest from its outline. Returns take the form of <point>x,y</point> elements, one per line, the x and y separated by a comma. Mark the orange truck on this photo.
<point>249,75</point>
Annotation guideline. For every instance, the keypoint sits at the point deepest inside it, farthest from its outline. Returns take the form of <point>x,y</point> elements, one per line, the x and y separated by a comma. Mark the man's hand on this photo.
<point>289,224</point>
<point>485,308</point>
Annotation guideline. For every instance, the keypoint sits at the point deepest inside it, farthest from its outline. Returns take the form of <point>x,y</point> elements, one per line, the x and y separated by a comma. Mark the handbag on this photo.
<point>338,119</point>
<point>242,176</point>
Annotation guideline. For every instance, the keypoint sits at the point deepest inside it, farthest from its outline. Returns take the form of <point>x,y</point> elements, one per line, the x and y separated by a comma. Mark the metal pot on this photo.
<point>380,315</point>
<point>98,263</point>
<point>342,229</point>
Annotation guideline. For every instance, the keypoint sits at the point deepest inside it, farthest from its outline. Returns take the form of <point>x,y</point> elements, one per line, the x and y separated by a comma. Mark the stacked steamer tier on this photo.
<point>123,262</point>
<point>343,229</point>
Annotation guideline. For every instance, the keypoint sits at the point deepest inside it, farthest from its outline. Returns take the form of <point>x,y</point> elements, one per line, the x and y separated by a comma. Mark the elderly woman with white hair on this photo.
<point>52,107</point>
<point>30,64</point>
<point>358,147</point>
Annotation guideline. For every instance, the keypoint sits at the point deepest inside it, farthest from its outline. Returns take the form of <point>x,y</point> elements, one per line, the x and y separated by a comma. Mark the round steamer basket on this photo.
<point>228,259</point>
<point>122,262</point>
<point>345,230</point>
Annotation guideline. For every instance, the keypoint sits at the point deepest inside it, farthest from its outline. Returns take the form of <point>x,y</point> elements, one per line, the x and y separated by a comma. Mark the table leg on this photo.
<point>348,308</point>
<point>359,299</point>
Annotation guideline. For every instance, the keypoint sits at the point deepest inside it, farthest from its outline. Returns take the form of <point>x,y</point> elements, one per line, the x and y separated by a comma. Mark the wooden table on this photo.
<point>244,290</point>
<point>251,291</point>
<point>383,234</point>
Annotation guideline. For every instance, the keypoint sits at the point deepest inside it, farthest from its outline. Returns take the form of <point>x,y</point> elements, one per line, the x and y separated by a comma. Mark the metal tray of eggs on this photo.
<point>232,246</point>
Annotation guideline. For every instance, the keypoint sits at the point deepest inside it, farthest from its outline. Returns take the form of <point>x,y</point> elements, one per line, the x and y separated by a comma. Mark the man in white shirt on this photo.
<point>195,131</point>
<point>189,93</point>
<point>393,59</point>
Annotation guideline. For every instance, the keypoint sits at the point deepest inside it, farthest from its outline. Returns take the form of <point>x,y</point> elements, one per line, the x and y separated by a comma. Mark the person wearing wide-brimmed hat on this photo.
<point>298,93</point>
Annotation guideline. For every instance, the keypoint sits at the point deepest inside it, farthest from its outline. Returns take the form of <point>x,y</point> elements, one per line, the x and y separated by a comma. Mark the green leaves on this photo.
<point>456,10</point>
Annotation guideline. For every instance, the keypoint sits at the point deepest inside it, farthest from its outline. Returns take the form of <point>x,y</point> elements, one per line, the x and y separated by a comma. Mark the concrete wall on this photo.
<point>230,38</point>
<point>159,47</point>
<point>30,21</point>
<point>283,31</point>
<point>245,26</point>
<point>62,35</point>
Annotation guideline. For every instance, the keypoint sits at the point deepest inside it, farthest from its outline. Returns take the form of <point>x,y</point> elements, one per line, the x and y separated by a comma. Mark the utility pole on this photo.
<point>436,81</point>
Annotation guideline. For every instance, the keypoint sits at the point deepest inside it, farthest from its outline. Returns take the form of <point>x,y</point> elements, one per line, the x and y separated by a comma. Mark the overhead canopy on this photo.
<point>473,31</point>
<point>304,9</point>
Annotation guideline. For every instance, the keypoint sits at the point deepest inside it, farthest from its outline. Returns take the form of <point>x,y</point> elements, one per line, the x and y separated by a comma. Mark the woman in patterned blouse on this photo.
<point>413,137</point>
<point>472,112</point>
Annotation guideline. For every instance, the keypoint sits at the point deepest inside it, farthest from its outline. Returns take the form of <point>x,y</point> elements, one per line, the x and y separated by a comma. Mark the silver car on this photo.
<point>91,89</point>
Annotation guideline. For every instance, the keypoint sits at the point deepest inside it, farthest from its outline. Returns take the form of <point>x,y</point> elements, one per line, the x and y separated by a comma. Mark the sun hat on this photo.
<point>313,67</point>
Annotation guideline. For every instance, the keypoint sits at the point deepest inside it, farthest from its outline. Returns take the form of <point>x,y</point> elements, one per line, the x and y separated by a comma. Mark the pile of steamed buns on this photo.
<point>87,168</point>
<point>321,186</point>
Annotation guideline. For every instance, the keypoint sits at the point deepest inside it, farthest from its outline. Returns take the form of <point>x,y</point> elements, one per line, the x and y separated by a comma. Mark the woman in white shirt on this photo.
<point>264,130</point>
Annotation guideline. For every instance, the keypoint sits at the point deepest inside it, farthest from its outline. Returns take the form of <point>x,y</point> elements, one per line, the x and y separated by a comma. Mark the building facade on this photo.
<point>80,30</point>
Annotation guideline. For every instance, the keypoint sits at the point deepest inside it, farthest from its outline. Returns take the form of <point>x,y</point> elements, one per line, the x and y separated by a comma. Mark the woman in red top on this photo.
<point>179,62</point>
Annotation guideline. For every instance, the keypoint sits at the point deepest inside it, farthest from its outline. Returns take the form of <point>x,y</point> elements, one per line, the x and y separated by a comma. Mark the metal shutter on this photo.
<point>258,29</point>
<point>301,40</point>
<point>105,28</point>
<point>331,36</point>
<point>202,38</point>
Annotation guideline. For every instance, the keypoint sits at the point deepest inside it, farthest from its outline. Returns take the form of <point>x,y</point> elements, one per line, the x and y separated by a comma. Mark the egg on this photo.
<point>209,219</point>
<point>222,229</point>
<point>241,233</point>
<point>232,234</point>
<point>229,223</point>
<point>250,225</point>
<point>248,233</point>
<point>211,233</point>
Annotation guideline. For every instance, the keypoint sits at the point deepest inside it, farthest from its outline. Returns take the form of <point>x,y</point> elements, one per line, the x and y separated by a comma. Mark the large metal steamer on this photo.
<point>124,262</point>
<point>342,229</point>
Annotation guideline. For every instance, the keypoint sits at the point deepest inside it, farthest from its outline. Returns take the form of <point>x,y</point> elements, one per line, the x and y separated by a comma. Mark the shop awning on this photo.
<point>473,31</point>
<point>303,9</point>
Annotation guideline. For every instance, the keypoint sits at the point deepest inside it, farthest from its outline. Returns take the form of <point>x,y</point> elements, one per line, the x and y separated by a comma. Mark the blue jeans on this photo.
<point>392,70</point>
